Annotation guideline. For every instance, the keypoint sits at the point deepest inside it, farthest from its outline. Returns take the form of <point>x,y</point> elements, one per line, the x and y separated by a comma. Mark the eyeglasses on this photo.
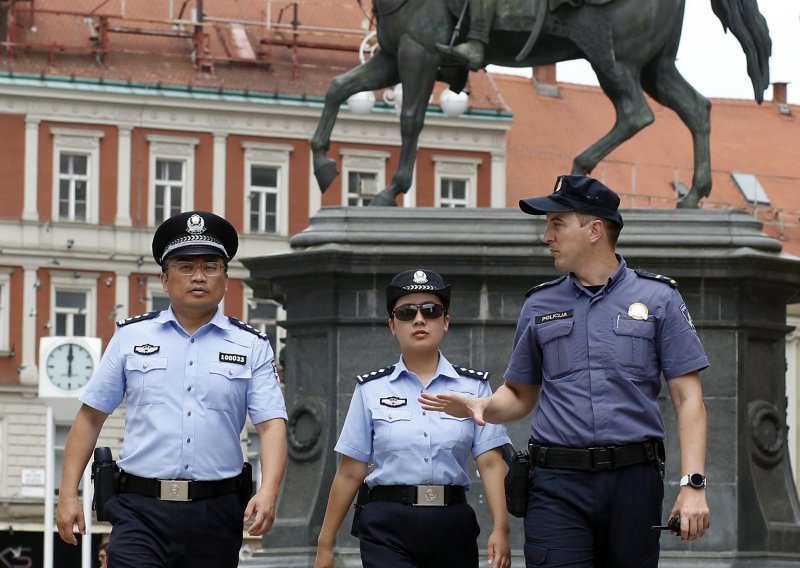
<point>407,312</point>
<point>187,268</point>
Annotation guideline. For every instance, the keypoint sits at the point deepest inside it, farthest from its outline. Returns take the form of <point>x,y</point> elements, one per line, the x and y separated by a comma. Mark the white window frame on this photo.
<point>270,156</point>
<point>366,161</point>
<point>280,315</point>
<point>455,167</point>
<point>154,287</point>
<point>87,283</point>
<point>78,141</point>
<point>5,310</point>
<point>176,148</point>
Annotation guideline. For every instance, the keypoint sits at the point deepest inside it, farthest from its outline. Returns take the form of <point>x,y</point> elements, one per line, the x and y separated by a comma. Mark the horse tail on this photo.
<point>750,28</point>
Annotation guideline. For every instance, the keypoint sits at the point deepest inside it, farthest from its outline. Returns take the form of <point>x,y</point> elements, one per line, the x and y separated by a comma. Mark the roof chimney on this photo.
<point>780,98</point>
<point>544,79</point>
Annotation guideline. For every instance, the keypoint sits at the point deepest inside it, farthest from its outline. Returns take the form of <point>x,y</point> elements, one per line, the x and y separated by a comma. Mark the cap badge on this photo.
<point>420,277</point>
<point>638,311</point>
<point>195,225</point>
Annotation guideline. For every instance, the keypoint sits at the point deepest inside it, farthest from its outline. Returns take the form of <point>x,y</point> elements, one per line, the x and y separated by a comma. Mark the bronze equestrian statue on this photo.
<point>631,45</point>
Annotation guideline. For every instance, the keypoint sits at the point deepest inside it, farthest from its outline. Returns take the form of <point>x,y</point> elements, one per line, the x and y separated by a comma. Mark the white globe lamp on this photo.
<point>361,103</point>
<point>453,104</point>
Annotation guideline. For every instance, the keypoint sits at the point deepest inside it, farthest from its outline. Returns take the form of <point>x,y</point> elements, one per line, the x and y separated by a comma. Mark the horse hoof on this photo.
<point>325,174</point>
<point>382,200</point>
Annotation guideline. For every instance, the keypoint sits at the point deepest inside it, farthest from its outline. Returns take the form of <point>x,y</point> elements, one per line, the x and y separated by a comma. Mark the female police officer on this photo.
<point>416,513</point>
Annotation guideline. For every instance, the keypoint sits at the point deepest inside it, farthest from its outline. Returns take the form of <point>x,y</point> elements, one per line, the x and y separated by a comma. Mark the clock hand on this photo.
<point>70,357</point>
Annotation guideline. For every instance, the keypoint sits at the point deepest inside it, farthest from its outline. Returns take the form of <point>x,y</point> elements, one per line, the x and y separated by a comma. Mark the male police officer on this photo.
<point>190,376</point>
<point>590,348</point>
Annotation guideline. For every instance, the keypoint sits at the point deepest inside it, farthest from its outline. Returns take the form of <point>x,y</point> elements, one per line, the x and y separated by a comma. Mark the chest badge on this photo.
<point>146,349</point>
<point>393,401</point>
<point>638,311</point>
<point>233,358</point>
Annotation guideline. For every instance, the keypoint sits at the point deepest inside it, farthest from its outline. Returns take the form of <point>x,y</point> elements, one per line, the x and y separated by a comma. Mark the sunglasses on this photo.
<point>407,312</point>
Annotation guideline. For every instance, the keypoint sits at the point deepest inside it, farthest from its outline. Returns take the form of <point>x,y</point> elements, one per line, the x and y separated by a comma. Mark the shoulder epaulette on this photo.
<point>545,285</point>
<point>366,377</point>
<point>654,276</point>
<point>467,372</point>
<point>248,327</point>
<point>140,317</point>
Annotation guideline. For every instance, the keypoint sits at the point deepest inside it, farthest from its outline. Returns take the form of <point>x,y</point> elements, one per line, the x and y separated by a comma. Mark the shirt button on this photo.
<point>189,413</point>
<point>186,466</point>
<point>188,440</point>
<point>191,340</point>
<point>230,372</point>
<point>144,365</point>
<point>189,388</point>
<point>425,434</point>
<point>426,459</point>
<point>424,413</point>
<point>191,363</point>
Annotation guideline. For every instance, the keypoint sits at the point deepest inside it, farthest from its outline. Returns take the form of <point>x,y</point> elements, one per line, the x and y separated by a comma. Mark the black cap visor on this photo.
<point>195,250</point>
<point>556,203</point>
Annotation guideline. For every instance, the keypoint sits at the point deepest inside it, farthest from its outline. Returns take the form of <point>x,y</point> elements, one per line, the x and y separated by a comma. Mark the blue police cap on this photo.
<point>193,233</point>
<point>576,193</point>
<point>413,281</point>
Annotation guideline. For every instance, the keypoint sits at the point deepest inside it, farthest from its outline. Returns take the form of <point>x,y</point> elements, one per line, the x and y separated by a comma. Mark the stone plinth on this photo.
<point>734,279</point>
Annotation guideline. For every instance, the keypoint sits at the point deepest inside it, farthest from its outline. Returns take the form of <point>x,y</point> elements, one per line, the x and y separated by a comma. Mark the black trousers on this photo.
<point>148,533</point>
<point>393,535</point>
<point>598,519</point>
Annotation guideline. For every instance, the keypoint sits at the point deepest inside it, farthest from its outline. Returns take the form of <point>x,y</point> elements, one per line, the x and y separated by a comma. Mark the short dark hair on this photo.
<point>612,229</point>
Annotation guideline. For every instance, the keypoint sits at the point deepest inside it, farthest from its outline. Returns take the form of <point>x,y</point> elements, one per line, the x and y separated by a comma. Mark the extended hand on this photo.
<point>455,405</point>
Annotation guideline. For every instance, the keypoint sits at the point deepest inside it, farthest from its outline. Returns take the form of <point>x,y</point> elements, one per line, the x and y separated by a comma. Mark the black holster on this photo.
<point>361,499</point>
<point>104,469</point>
<point>245,485</point>
<point>517,481</point>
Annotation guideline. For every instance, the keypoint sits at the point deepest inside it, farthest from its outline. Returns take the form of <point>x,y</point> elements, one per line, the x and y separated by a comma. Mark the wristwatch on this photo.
<point>696,480</point>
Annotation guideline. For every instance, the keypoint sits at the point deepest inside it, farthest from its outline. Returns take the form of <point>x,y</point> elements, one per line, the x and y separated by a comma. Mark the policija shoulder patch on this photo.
<point>554,316</point>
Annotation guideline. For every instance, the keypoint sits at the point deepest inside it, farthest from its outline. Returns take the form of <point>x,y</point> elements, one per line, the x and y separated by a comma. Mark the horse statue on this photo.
<point>630,44</point>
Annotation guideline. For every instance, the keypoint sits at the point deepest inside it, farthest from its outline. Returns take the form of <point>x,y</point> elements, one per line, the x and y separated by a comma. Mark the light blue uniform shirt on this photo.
<point>408,445</point>
<point>186,395</point>
<point>599,357</point>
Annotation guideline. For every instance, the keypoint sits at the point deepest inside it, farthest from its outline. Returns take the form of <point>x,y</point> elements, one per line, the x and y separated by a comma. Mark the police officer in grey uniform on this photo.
<point>590,349</point>
<point>416,514</point>
<point>190,377</point>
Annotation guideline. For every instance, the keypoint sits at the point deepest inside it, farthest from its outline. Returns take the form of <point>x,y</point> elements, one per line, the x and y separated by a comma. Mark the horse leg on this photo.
<point>377,73</point>
<point>418,74</point>
<point>623,89</point>
<point>665,84</point>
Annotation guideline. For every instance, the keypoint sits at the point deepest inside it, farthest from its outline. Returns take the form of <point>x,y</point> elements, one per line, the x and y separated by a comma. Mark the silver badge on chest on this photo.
<point>638,311</point>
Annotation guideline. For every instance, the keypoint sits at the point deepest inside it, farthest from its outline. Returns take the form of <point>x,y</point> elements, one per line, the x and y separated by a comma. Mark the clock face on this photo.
<point>69,366</point>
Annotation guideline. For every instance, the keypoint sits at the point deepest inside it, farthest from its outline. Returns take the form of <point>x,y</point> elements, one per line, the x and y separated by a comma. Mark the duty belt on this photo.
<point>419,495</point>
<point>596,459</point>
<point>176,489</point>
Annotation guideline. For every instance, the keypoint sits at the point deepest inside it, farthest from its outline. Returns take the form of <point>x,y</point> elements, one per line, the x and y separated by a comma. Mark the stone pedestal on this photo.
<point>735,281</point>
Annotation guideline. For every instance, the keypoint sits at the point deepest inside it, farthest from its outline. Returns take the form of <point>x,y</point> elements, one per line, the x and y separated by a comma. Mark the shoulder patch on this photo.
<point>247,327</point>
<point>367,377</point>
<point>545,285</point>
<point>140,317</point>
<point>467,372</point>
<point>654,276</point>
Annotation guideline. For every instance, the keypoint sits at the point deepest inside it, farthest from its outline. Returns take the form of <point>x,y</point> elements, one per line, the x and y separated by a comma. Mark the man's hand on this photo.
<point>261,508</point>
<point>455,405</point>
<point>324,557</point>
<point>498,550</point>
<point>68,514</point>
<point>693,511</point>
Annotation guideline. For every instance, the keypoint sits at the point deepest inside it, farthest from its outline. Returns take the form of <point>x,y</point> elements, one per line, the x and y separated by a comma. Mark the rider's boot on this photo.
<point>470,52</point>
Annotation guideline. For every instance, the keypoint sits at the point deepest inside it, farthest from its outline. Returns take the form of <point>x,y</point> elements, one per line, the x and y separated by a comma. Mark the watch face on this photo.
<point>697,480</point>
<point>69,366</point>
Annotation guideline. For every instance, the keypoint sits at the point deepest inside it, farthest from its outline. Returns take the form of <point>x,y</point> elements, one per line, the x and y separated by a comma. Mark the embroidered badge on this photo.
<point>146,349</point>
<point>393,401</point>
<point>554,316</point>
<point>195,225</point>
<point>420,277</point>
<point>685,312</point>
<point>233,358</point>
<point>638,311</point>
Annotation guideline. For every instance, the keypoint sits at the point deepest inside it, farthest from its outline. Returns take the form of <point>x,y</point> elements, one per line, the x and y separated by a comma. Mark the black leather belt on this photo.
<point>596,459</point>
<point>176,489</point>
<point>420,495</point>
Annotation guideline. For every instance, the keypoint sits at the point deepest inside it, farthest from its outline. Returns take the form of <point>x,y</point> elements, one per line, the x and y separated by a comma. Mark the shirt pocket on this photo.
<point>393,428</point>
<point>456,432</point>
<point>635,343</point>
<point>554,339</point>
<point>225,387</point>
<point>145,377</point>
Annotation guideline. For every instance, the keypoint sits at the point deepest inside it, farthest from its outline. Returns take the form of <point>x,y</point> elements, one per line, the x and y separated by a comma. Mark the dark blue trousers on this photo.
<point>598,519</point>
<point>148,533</point>
<point>394,535</point>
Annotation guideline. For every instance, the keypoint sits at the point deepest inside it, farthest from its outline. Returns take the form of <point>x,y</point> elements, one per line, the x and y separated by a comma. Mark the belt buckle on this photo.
<point>173,490</point>
<point>430,496</point>
<point>601,458</point>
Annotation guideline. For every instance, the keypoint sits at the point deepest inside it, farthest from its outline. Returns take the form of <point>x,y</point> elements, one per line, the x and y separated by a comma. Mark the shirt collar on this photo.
<point>616,277</point>
<point>218,320</point>
<point>443,369</point>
